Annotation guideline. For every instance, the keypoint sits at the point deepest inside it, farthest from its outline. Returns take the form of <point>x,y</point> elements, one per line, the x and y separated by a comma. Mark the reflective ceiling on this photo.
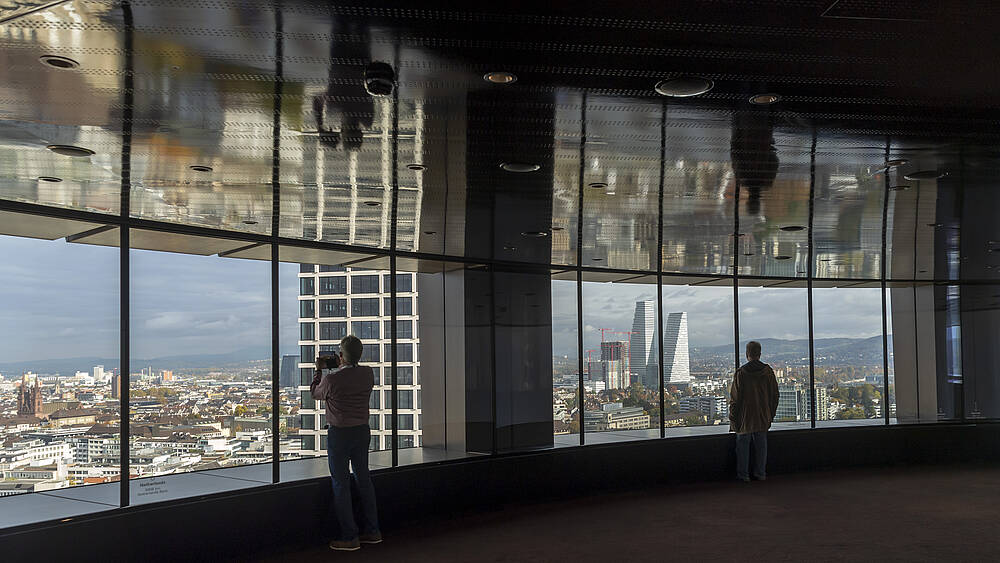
<point>263,95</point>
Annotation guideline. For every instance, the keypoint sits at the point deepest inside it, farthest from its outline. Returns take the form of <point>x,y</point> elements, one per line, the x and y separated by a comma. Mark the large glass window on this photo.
<point>365,330</point>
<point>333,308</point>
<point>697,356</point>
<point>307,309</point>
<point>620,351</point>
<point>404,306</point>
<point>847,351</point>
<point>200,382</point>
<point>777,317</point>
<point>404,328</point>
<point>364,284</point>
<point>307,331</point>
<point>332,331</point>
<point>404,283</point>
<point>565,364</point>
<point>307,286</point>
<point>60,382</point>
<point>364,307</point>
<point>333,285</point>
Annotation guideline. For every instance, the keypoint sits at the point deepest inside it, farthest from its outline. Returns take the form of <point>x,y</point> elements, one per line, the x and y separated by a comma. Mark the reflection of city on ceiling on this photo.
<point>627,179</point>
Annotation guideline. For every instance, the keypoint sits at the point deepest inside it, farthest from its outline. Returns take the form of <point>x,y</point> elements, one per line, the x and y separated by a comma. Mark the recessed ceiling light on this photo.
<point>200,168</point>
<point>683,86</point>
<point>598,185</point>
<point>597,259</point>
<point>896,162</point>
<point>519,166</point>
<point>782,257</point>
<point>70,150</point>
<point>373,203</point>
<point>416,167</point>
<point>557,228</point>
<point>792,228</point>
<point>55,61</point>
<point>500,77</point>
<point>898,188</point>
<point>534,234</point>
<point>925,175</point>
<point>49,179</point>
<point>765,99</point>
<point>922,272</point>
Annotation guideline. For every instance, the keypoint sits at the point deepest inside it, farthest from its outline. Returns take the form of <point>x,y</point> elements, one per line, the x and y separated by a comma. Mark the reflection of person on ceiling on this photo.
<point>755,161</point>
<point>355,116</point>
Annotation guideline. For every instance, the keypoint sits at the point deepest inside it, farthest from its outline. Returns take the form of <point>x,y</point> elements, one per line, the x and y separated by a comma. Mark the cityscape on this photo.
<point>621,380</point>
<point>59,419</point>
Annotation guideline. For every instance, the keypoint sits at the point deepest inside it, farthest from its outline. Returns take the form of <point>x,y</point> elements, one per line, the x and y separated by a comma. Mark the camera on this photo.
<point>379,79</point>
<point>327,360</point>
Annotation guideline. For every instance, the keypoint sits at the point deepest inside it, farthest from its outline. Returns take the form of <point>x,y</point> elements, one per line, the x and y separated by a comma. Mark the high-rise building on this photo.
<point>335,301</point>
<point>116,385</point>
<point>614,372</point>
<point>643,345</point>
<point>288,371</point>
<point>676,356</point>
<point>99,376</point>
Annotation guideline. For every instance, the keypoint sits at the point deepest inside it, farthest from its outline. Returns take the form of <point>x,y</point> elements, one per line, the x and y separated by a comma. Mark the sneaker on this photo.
<point>743,479</point>
<point>345,545</point>
<point>371,538</point>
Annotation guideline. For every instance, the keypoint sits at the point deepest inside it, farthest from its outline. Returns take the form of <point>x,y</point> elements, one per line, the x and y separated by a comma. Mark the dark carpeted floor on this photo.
<point>900,514</point>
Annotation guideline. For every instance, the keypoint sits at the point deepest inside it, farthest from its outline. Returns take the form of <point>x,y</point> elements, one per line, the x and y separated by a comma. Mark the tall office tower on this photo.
<point>116,385</point>
<point>822,402</point>
<point>613,365</point>
<point>676,357</point>
<point>335,301</point>
<point>288,371</point>
<point>643,345</point>
<point>99,374</point>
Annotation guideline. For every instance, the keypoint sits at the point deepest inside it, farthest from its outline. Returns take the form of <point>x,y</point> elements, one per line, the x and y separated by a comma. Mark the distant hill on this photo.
<point>69,366</point>
<point>829,351</point>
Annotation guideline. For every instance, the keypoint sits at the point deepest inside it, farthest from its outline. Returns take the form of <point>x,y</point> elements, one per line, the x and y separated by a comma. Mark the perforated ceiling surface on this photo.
<point>265,95</point>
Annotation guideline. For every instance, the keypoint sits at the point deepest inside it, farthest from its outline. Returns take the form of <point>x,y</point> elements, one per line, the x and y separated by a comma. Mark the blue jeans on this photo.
<point>351,445</point>
<point>759,440</point>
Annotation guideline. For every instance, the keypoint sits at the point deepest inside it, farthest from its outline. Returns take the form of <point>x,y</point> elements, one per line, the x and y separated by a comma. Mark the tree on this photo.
<point>851,413</point>
<point>240,410</point>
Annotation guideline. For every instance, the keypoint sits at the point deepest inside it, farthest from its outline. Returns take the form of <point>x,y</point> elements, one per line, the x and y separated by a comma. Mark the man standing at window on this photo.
<point>753,403</point>
<point>346,387</point>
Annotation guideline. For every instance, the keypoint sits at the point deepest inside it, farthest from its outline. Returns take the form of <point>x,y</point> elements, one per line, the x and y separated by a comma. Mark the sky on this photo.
<point>60,300</point>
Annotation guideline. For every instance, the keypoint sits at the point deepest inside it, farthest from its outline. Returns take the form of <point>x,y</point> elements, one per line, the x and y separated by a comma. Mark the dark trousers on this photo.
<point>350,445</point>
<point>759,441</point>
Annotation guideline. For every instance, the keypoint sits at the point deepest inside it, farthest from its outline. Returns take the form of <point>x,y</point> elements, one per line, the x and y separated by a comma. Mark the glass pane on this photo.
<point>200,328</point>
<point>59,373</point>
<point>847,347</point>
<point>619,351</point>
<point>980,354</point>
<point>778,319</point>
<point>697,357</point>
<point>565,364</point>
<point>304,432</point>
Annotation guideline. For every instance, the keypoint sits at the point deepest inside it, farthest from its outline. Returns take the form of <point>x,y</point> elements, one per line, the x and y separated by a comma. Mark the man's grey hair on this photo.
<point>351,348</point>
<point>753,350</point>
